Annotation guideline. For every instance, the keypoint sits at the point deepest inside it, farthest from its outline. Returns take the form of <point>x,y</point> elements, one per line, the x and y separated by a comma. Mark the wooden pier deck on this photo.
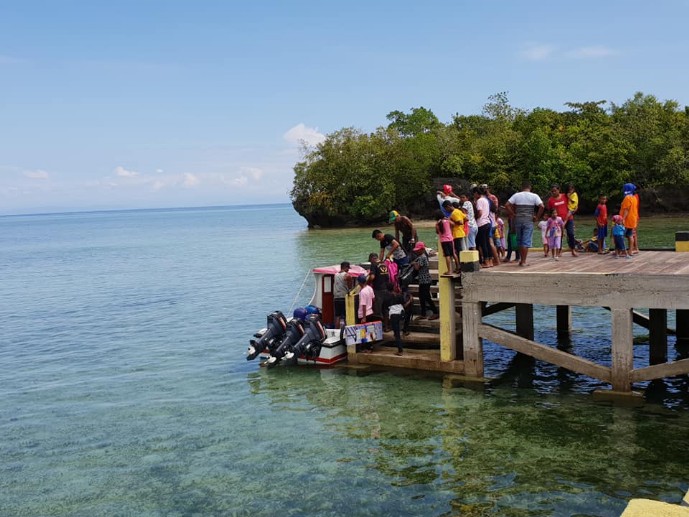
<point>654,280</point>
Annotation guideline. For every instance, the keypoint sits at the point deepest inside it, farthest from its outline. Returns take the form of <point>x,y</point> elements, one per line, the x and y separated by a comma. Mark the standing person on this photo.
<point>629,210</point>
<point>499,236</point>
<point>521,206</point>
<point>366,297</point>
<point>554,230</point>
<point>601,214</point>
<point>618,233</point>
<point>444,231</point>
<point>393,308</point>
<point>468,209</point>
<point>572,201</point>
<point>446,194</point>
<point>560,202</point>
<point>635,250</point>
<point>341,287</point>
<point>483,222</point>
<point>543,226</point>
<point>379,278</point>
<point>425,280</point>
<point>457,218</point>
<point>390,248</point>
<point>494,206</point>
<point>405,226</point>
<point>512,245</point>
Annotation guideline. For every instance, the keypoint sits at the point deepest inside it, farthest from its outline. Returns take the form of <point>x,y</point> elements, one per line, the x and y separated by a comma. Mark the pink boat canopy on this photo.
<point>332,270</point>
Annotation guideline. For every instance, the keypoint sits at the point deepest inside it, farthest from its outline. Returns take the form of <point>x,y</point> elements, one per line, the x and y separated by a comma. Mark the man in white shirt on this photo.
<point>521,207</point>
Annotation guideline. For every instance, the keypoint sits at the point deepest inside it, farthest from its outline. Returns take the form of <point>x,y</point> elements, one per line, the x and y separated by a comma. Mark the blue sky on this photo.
<point>166,103</point>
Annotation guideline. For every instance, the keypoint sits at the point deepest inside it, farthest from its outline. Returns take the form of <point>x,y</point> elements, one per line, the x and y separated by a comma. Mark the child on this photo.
<point>554,228</point>
<point>591,245</point>
<point>618,233</point>
<point>444,231</point>
<point>543,225</point>
<point>512,241</point>
<point>499,237</point>
<point>601,214</point>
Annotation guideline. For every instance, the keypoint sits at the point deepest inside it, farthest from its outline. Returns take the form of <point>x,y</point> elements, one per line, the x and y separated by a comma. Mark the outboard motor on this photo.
<point>275,329</point>
<point>310,344</point>
<point>295,331</point>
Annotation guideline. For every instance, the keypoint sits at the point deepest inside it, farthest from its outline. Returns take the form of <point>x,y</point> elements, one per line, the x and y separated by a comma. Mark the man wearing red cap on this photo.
<point>446,195</point>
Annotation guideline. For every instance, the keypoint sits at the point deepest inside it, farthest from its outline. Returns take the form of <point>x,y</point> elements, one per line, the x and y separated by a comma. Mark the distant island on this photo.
<point>356,178</point>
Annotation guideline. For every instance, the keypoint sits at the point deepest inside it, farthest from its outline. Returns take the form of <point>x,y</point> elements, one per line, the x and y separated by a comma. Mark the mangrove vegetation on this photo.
<point>355,177</point>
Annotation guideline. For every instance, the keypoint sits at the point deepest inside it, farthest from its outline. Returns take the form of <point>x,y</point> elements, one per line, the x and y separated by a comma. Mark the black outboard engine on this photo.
<point>310,344</point>
<point>295,331</point>
<point>275,329</point>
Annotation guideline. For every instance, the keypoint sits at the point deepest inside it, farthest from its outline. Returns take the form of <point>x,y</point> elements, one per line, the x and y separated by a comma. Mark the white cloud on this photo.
<point>537,52</point>
<point>37,175</point>
<point>302,133</point>
<point>190,180</point>
<point>253,172</point>
<point>593,52</point>
<point>124,173</point>
<point>241,181</point>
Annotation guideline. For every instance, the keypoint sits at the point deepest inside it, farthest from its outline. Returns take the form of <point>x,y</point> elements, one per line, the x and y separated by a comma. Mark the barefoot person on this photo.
<point>526,208</point>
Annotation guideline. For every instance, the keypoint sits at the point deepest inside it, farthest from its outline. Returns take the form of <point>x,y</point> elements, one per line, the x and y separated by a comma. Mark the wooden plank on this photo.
<point>658,371</point>
<point>544,353</point>
<point>622,350</point>
<point>471,342</point>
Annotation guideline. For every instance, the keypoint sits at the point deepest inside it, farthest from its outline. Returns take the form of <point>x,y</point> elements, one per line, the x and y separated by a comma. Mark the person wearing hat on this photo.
<point>446,195</point>
<point>424,279</point>
<point>629,211</point>
<point>405,226</point>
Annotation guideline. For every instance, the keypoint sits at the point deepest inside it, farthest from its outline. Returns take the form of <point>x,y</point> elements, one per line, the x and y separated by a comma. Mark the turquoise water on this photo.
<point>124,389</point>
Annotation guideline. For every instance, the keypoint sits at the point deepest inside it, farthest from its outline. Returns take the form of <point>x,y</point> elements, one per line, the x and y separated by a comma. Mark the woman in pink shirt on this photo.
<point>484,225</point>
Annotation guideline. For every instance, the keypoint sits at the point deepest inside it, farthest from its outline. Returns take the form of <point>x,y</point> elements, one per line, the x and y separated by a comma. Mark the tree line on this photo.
<point>355,177</point>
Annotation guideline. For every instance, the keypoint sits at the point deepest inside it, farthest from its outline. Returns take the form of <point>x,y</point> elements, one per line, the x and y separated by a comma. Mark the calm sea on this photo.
<point>124,389</point>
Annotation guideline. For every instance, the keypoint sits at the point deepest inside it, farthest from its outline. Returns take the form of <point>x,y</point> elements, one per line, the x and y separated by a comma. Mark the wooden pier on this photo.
<point>653,280</point>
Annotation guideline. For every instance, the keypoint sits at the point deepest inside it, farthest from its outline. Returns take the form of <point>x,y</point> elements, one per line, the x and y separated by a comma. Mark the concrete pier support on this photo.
<point>472,344</point>
<point>622,350</point>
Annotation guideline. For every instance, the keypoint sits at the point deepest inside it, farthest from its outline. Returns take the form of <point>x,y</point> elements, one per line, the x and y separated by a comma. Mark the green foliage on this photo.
<point>356,178</point>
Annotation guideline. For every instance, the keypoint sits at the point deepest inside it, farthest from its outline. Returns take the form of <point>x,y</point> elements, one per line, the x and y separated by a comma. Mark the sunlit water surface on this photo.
<point>124,389</point>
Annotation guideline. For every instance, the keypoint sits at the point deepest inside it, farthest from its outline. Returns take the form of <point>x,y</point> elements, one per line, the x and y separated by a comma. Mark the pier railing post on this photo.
<point>622,350</point>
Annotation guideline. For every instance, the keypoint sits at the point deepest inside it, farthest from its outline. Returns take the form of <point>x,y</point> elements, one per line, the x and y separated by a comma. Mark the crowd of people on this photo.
<point>475,220</point>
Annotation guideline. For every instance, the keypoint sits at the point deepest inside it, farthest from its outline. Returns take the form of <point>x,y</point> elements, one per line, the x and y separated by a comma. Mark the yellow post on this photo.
<point>681,241</point>
<point>446,302</point>
<point>350,306</point>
